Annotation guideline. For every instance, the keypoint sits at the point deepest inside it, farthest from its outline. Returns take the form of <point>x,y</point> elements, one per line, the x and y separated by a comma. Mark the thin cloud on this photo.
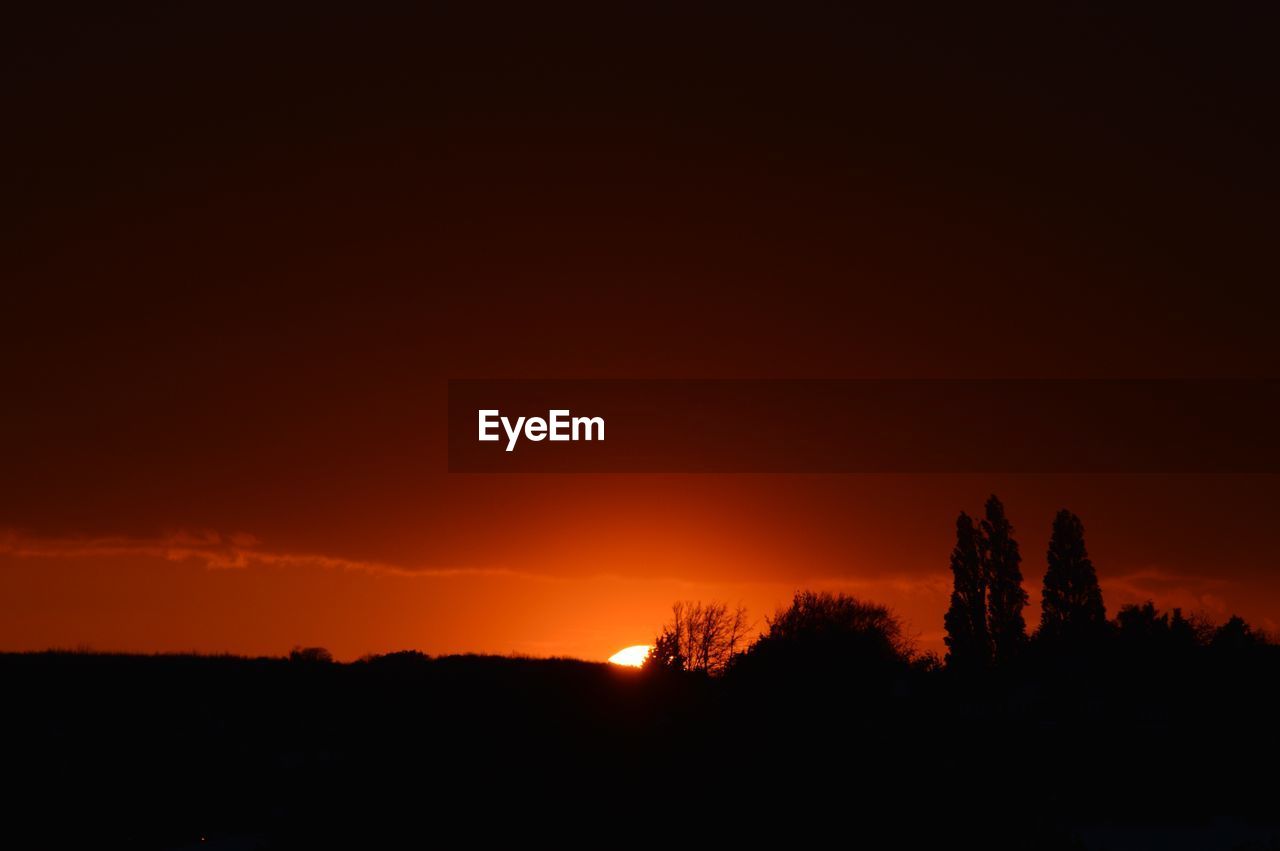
<point>928,585</point>
<point>216,551</point>
<point>1168,590</point>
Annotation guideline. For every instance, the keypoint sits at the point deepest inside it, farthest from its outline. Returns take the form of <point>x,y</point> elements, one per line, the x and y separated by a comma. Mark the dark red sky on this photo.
<point>242,252</point>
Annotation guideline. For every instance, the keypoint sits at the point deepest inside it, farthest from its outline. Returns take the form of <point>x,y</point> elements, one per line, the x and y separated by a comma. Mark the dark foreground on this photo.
<point>222,752</point>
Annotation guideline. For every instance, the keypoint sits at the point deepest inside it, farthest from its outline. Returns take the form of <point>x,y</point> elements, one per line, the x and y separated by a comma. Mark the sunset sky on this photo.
<point>241,255</point>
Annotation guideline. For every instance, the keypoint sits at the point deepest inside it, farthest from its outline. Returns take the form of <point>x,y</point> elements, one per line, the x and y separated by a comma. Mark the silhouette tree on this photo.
<point>1006,598</point>
<point>701,637</point>
<point>1143,625</point>
<point>1236,636</point>
<point>665,653</point>
<point>1186,633</point>
<point>821,632</point>
<point>310,655</point>
<point>1071,605</point>
<point>968,642</point>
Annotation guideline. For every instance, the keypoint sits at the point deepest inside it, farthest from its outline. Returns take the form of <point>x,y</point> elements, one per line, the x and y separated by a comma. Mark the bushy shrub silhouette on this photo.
<point>310,655</point>
<point>828,635</point>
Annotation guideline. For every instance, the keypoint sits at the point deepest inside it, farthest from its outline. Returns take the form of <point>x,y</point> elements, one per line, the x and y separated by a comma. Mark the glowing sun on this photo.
<point>632,657</point>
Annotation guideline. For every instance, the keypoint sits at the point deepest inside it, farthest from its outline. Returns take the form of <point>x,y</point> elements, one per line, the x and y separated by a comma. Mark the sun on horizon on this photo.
<point>631,657</point>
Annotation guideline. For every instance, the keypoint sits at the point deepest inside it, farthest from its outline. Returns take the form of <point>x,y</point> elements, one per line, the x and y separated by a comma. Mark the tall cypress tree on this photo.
<point>967,640</point>
<point>1005,596</point>
<point>1071,603</point>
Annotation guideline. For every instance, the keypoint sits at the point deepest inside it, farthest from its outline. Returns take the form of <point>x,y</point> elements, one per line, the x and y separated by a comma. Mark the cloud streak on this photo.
<point>215,551</point>
<point>1168,590</point>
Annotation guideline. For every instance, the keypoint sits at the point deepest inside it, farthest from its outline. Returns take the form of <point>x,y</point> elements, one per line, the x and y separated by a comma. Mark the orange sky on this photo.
<point>234,292</point>
<point>596,580</point>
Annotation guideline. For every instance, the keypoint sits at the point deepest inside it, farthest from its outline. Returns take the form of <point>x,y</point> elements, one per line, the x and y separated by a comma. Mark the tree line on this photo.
<point>985,625</point>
